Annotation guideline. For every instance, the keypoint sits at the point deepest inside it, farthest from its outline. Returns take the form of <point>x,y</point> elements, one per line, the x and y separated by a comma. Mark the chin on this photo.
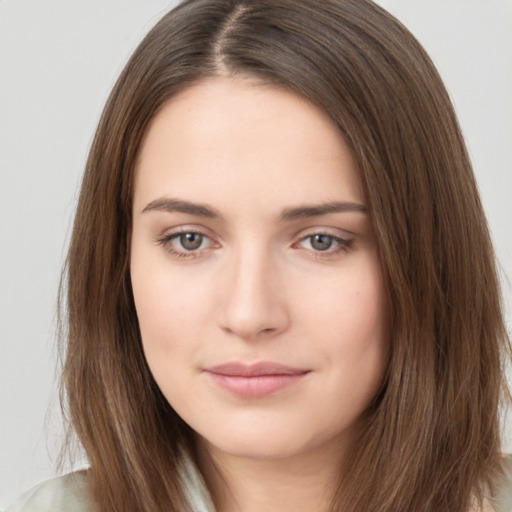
<point>256,447</point>
<point>272,442</point>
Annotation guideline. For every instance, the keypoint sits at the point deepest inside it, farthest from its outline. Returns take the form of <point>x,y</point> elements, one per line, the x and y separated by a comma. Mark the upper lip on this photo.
<point>254,369</point>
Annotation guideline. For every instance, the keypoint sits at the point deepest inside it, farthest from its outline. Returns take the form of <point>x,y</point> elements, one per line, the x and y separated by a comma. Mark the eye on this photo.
<point>190,241</point>
<point>321,242</point>
<point>186,244</point>
<point>325,243</point>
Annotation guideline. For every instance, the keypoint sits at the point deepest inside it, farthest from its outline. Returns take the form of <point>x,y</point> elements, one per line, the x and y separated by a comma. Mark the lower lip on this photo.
<point>257,386</point>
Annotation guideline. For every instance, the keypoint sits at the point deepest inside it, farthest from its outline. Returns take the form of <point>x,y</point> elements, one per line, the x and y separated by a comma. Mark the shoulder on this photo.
<point>503,501</point>
<point>196,493</point>
<point>69,493</point>
<point>63,494</point>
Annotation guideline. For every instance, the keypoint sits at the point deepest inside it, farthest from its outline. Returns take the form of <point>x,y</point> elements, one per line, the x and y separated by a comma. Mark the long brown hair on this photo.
<point>430,439</point>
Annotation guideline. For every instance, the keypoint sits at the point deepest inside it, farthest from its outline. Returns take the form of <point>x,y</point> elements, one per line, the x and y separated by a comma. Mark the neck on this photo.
<point>296,483</point>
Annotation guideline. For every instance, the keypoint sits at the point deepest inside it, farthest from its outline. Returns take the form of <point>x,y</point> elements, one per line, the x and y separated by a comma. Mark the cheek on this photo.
<point>170,305</point>
<point>349,322</point>
<point>162,310</point>
<point>171,332</point>
<point>351,305</point>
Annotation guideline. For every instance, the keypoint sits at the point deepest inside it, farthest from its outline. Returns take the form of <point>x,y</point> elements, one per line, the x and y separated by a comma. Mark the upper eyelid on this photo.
<point>340,240</point>
<point>179,230</point>
<point>344,234</point>
<point>167,238</point>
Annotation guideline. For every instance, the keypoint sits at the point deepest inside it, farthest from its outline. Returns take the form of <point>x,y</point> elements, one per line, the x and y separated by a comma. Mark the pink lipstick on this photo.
<point>254,380</point>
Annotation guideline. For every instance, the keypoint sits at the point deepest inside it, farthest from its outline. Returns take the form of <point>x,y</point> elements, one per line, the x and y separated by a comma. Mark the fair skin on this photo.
<point>258,289</point>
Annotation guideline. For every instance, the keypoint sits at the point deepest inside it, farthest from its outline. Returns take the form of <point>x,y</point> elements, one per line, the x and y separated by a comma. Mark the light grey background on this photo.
<point>58,61</point>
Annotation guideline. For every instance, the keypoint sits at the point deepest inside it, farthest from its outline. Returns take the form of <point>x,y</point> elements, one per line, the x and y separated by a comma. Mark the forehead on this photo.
<point>230,136</point>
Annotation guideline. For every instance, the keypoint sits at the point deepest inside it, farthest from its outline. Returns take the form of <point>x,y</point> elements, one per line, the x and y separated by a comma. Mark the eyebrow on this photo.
<point>304,212</point>
<point>178,205</point>
<point>289,214</point>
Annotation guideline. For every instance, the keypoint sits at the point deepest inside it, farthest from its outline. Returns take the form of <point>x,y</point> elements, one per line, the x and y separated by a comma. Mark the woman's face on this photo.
<point>255,272</point>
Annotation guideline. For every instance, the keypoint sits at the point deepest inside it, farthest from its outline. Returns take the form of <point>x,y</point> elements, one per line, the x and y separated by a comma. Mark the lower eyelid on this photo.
<point>341,246</point>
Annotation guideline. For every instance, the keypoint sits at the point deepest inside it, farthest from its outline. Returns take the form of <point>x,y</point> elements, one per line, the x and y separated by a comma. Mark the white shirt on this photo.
<point>69,493</point>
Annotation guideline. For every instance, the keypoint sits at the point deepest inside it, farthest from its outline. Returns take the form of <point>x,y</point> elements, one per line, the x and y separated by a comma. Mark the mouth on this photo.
<point>254,380</point>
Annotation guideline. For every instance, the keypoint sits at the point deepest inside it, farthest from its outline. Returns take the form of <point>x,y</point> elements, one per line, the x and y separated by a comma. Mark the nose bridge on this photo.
<point>254,303</point>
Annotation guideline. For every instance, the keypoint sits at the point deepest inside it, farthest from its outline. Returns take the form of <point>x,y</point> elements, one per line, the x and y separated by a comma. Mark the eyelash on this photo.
<point>166,242</point>
<point>343,245</point>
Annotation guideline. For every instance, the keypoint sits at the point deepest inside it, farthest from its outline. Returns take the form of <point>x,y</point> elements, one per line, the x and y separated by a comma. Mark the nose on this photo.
<point>253,305</point>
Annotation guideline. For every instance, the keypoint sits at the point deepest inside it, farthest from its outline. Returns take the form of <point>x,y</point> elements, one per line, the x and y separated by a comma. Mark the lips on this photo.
<point>254,380</point>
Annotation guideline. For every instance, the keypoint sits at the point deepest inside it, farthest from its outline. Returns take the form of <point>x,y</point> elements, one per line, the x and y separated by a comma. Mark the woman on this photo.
<point>281,287</point>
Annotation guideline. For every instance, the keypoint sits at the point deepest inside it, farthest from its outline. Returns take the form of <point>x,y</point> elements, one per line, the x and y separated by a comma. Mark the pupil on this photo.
<point>191,241</point>
<point>321,242</point>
